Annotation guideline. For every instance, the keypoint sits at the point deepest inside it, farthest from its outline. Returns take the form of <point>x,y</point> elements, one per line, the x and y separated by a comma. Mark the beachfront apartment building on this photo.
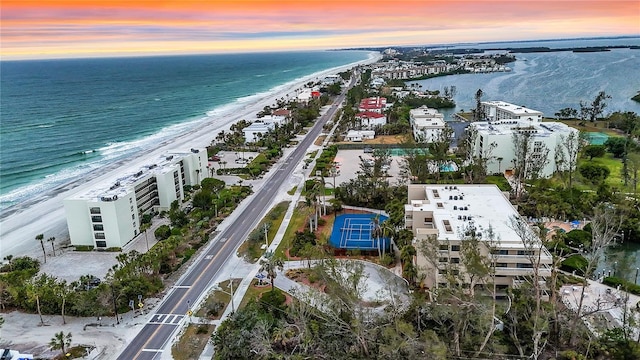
<point>500,110</point>
<point>109,214</point>
<point>446,215</point>
<point>495,142</point>
<point>426,124</point>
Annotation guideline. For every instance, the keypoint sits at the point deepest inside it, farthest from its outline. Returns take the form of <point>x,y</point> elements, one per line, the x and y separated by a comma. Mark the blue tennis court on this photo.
<point>353,231</point>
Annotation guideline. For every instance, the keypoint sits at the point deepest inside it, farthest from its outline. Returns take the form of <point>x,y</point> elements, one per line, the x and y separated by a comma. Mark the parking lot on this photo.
<point>349,164</point>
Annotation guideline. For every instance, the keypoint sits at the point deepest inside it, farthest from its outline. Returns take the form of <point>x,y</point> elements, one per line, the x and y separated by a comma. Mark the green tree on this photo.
<point>60,341</point>
<point>203,199</point>
<point>162,232</point>
<point>567,113</point>
<point>617,146</point>
<point>9,258</point>
<point>595,151</point>
<point>271,264</point>
<point>64,291</point>
<point>477,113</point>
<point>40,237</point>
<point>595,173</point>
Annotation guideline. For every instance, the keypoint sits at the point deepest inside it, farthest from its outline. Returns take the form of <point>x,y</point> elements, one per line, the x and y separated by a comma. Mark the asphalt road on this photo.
<point>152,340</point>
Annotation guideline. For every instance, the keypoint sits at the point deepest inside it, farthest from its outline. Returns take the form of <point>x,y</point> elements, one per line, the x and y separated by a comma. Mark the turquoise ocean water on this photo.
<point>60,119</point>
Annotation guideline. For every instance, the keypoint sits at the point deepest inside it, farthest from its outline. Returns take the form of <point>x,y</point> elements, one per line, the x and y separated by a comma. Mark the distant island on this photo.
<point>574,49</point>
<point>637,97</point>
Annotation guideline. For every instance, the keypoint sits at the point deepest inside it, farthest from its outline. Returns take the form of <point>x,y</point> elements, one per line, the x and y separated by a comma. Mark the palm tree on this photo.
<point>63,290</point>
<point>33,292</point>
<point>500,164</point>
<point>9,258</point>
<point>52,240</point>
<point>40,237</point>
<point>60,341</point>
<point>144,227</point>
<point>269,264</point>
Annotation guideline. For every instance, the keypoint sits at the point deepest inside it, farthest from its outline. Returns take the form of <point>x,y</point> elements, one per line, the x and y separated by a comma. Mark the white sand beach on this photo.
<point>44,214</point>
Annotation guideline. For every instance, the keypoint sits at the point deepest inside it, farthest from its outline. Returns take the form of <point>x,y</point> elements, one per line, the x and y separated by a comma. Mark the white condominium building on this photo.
<point>495,141</point>
<point>450,214</point>
<point>109,214</point>
<point>499,110</point>
<point>426,123</point>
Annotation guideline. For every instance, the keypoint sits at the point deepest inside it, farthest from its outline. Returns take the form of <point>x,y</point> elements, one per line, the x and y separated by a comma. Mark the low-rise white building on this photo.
<point>427,124</point>
<point>370,119</point>
<point>253,132</point>
<point>331,79</point>
<point>447,215</point>
<point>500,110</point>
<point>109,214</point>
<point>360,135</point>
<point>495,141</point>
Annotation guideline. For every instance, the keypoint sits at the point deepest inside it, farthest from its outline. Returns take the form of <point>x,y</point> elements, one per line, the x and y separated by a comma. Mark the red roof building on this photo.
<point>374,104</point>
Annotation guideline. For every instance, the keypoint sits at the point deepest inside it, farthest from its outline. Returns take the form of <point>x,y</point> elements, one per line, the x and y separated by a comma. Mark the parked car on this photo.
<point>368,150</point>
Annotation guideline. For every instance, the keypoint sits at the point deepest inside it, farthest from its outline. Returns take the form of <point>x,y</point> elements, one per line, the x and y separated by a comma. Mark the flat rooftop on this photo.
<point>480,206</point>
<point>515,109</point>
<point>123,183</point>
<point>507,127</point>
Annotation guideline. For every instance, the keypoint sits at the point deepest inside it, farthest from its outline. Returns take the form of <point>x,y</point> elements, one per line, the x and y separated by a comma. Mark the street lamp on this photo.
<point>233,308</point>
<point>636,280</point>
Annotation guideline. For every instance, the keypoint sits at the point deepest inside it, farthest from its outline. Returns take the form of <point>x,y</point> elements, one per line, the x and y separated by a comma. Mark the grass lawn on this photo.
<point>598,126</point>
<point>217,301</point>
<point>325,230</point>
<point>192,342</point>
<point>500,181</point>
<point>296,223</point>
<point>292,191</point>
<point>251,249</point>
<point>615,168</point>
<point>254,292</point>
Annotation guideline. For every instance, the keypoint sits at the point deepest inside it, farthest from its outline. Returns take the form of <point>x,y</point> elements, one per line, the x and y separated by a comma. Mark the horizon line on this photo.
<point>365,48</point>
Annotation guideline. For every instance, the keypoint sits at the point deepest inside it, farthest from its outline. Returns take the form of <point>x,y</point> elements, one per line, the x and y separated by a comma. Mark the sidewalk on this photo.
<point>249,271</point>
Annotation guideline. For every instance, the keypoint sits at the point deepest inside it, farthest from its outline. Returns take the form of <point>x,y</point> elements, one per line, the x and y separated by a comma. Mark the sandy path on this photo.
<point>45,214</point>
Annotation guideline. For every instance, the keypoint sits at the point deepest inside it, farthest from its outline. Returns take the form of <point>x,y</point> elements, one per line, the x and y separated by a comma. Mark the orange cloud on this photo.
<point>87,27</point>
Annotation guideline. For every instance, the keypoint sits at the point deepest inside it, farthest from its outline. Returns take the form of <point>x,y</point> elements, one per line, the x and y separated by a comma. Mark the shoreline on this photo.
<point>44,212</point>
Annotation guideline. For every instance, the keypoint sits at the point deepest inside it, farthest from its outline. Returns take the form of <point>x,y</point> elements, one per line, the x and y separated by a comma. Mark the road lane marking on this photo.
<point>305,143</point>
<point>181,286</point>
<point>152,350</point>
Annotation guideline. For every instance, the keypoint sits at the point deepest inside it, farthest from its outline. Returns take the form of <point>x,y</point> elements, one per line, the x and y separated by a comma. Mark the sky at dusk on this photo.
<point>81,28</point>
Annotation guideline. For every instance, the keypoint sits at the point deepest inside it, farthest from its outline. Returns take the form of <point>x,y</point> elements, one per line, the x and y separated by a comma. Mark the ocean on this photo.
<point>61,119</point>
